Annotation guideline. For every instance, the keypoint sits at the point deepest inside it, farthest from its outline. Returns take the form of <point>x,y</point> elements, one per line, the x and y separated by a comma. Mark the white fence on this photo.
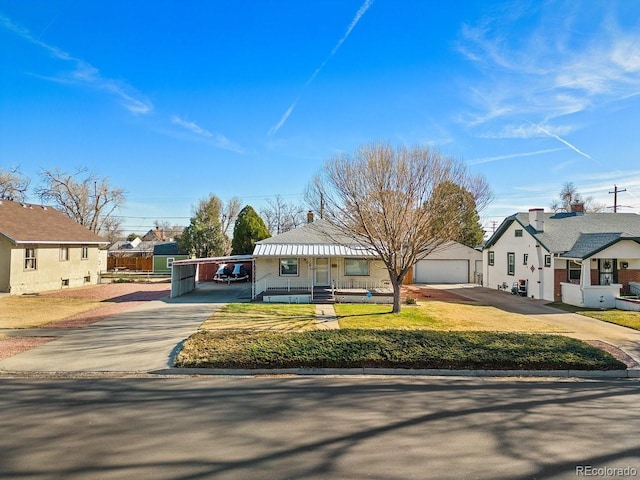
<point>594,296</point>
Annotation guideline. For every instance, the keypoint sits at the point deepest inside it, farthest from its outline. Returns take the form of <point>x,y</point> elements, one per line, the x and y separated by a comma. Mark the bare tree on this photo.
<point>388,200</point>
<point>569,196</point>
<point>13,184</point>
<point>281,216</point>
<point>83,196</point>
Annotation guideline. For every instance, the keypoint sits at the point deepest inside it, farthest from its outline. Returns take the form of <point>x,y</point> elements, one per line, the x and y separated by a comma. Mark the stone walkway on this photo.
<point>326,318</point>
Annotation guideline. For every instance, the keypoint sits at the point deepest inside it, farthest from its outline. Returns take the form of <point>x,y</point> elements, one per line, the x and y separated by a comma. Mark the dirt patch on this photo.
<point>112,299</point>
<point>423,292</point>
<point>11,346</point>
<point>115,292</point>
<point>117,298</point>
<point>614,352</point>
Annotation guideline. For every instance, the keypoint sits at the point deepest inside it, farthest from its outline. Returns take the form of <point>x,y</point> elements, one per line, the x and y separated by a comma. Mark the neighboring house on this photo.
<point>583,259</point>
<point>134,255</point>
<point>43,249</point>
<point>453,262</point>
<point>315,260</point>
<point>164,254</point>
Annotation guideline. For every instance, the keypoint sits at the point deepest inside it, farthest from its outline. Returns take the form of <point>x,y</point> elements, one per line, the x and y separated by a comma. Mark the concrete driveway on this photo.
<point>572,324</point>
<point>141,339</point>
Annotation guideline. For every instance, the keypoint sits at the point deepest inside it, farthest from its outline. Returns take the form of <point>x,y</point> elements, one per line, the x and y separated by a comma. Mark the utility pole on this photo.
<point>615,197</point>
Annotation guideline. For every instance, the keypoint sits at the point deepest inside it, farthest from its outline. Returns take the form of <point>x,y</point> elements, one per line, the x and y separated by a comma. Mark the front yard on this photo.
<point>432,335</point>
<point>619,317</point>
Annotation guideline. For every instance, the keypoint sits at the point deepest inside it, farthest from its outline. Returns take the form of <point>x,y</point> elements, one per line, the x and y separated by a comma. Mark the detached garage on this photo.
<point>453,263</point>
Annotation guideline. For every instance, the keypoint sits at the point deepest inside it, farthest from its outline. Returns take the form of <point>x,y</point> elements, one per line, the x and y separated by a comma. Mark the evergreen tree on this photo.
<point>456,207</point>
<point>248,230</point>
<point>205,237</point>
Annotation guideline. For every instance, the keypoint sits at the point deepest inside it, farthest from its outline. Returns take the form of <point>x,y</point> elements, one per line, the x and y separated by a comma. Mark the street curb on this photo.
<point>594,374</point>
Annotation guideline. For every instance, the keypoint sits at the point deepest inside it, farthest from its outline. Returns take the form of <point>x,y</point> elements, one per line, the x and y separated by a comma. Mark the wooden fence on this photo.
<point>135,264</point>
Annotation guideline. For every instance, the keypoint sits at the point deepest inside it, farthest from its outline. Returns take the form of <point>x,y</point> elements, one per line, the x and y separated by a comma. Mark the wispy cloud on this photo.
<point>284,118</point>
<point>512,156</point>
<point>562,140</point>
<point>83,73</point>
<point>361,11</point>
<point>217,139</point>
<point>534,61</point>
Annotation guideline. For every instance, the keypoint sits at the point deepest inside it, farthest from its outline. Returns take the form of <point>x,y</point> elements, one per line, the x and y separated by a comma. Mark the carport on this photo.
<point>184,273</point>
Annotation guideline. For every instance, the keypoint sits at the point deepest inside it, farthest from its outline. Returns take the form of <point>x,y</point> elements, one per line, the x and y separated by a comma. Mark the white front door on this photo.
<point>322,278</point>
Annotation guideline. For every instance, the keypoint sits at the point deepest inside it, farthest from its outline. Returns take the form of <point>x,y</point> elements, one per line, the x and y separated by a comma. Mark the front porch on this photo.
<point>327,295</point>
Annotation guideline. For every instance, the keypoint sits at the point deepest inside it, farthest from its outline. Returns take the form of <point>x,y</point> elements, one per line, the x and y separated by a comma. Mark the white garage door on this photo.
<point>442,271</point>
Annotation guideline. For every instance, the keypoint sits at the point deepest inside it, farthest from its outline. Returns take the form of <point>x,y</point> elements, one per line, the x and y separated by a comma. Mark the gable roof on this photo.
<point>25,223</point>
<point>581,234</point>
<point>317,239</point>
<point>167,248</point>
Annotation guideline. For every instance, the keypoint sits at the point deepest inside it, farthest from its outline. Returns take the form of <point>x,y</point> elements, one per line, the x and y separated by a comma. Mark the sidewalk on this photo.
<point>326,318</point>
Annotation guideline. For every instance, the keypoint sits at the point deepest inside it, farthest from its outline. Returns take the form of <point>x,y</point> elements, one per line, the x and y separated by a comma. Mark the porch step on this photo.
<point>323,296</point>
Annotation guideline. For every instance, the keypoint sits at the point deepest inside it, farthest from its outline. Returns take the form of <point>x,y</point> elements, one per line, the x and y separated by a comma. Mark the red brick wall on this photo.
<point>628,275</point>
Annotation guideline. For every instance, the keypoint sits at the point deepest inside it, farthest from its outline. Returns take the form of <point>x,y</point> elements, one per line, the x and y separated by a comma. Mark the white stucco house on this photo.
<point>582,259</point>
<point>43,249</point>
<point>315,262</point>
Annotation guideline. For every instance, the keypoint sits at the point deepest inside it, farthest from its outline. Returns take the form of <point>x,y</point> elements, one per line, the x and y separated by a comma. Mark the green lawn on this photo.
<point>619,317</point>
<point>390,348</point>
<point>430,335</point>
<point>436,315</point>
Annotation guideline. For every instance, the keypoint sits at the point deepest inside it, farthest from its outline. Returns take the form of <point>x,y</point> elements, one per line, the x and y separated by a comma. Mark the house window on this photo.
<point>65,282</point>
<point>356,266</point>
<point>170,261</point>
<point>525,259</point>
<point>85,253</point>
<point>547,260</point>
<point>288,267</point>
<point>574,270</point>
<point>518,232</point>
<point>29,258</point>
<point>87,279</point>
<point>491,257</point>
<point>511,263</point>
<point>64,254</point>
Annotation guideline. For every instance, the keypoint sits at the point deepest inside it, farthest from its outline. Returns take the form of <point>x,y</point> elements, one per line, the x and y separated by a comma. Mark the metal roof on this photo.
<point>317,239</point>
<point>308,250</point>
<point>228,258</point>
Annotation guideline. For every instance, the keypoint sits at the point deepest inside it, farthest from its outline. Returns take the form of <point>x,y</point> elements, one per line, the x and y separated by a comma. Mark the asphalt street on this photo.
<point>317,428</point>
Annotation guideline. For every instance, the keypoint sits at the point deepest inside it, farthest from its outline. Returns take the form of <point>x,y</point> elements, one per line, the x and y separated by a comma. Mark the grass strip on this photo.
<point>619,317</point>
<point>391,349</point>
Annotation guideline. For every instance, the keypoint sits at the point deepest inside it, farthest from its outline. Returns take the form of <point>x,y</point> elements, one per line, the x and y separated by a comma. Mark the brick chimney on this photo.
<point>577,207</point>
<point>309,216</point>
<point>536,218</point>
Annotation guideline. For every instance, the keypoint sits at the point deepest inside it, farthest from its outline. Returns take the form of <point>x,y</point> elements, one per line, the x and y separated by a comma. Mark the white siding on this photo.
<point>442,271</point>
<point>539,277</point>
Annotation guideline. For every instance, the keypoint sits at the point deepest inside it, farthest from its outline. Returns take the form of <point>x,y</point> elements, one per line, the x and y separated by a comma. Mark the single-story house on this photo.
<point>315,262</point>
<point>582,259</point>
<point>43,249</point>
<point>164,254</point>
<point>452,262</point>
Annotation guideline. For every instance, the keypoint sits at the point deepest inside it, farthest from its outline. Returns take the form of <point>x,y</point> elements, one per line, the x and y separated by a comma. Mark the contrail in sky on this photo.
<point>552,135</point>
<point>363,9</point>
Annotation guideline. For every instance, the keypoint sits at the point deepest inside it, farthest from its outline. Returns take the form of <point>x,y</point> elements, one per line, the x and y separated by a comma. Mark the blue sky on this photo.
<point>175,100</point>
